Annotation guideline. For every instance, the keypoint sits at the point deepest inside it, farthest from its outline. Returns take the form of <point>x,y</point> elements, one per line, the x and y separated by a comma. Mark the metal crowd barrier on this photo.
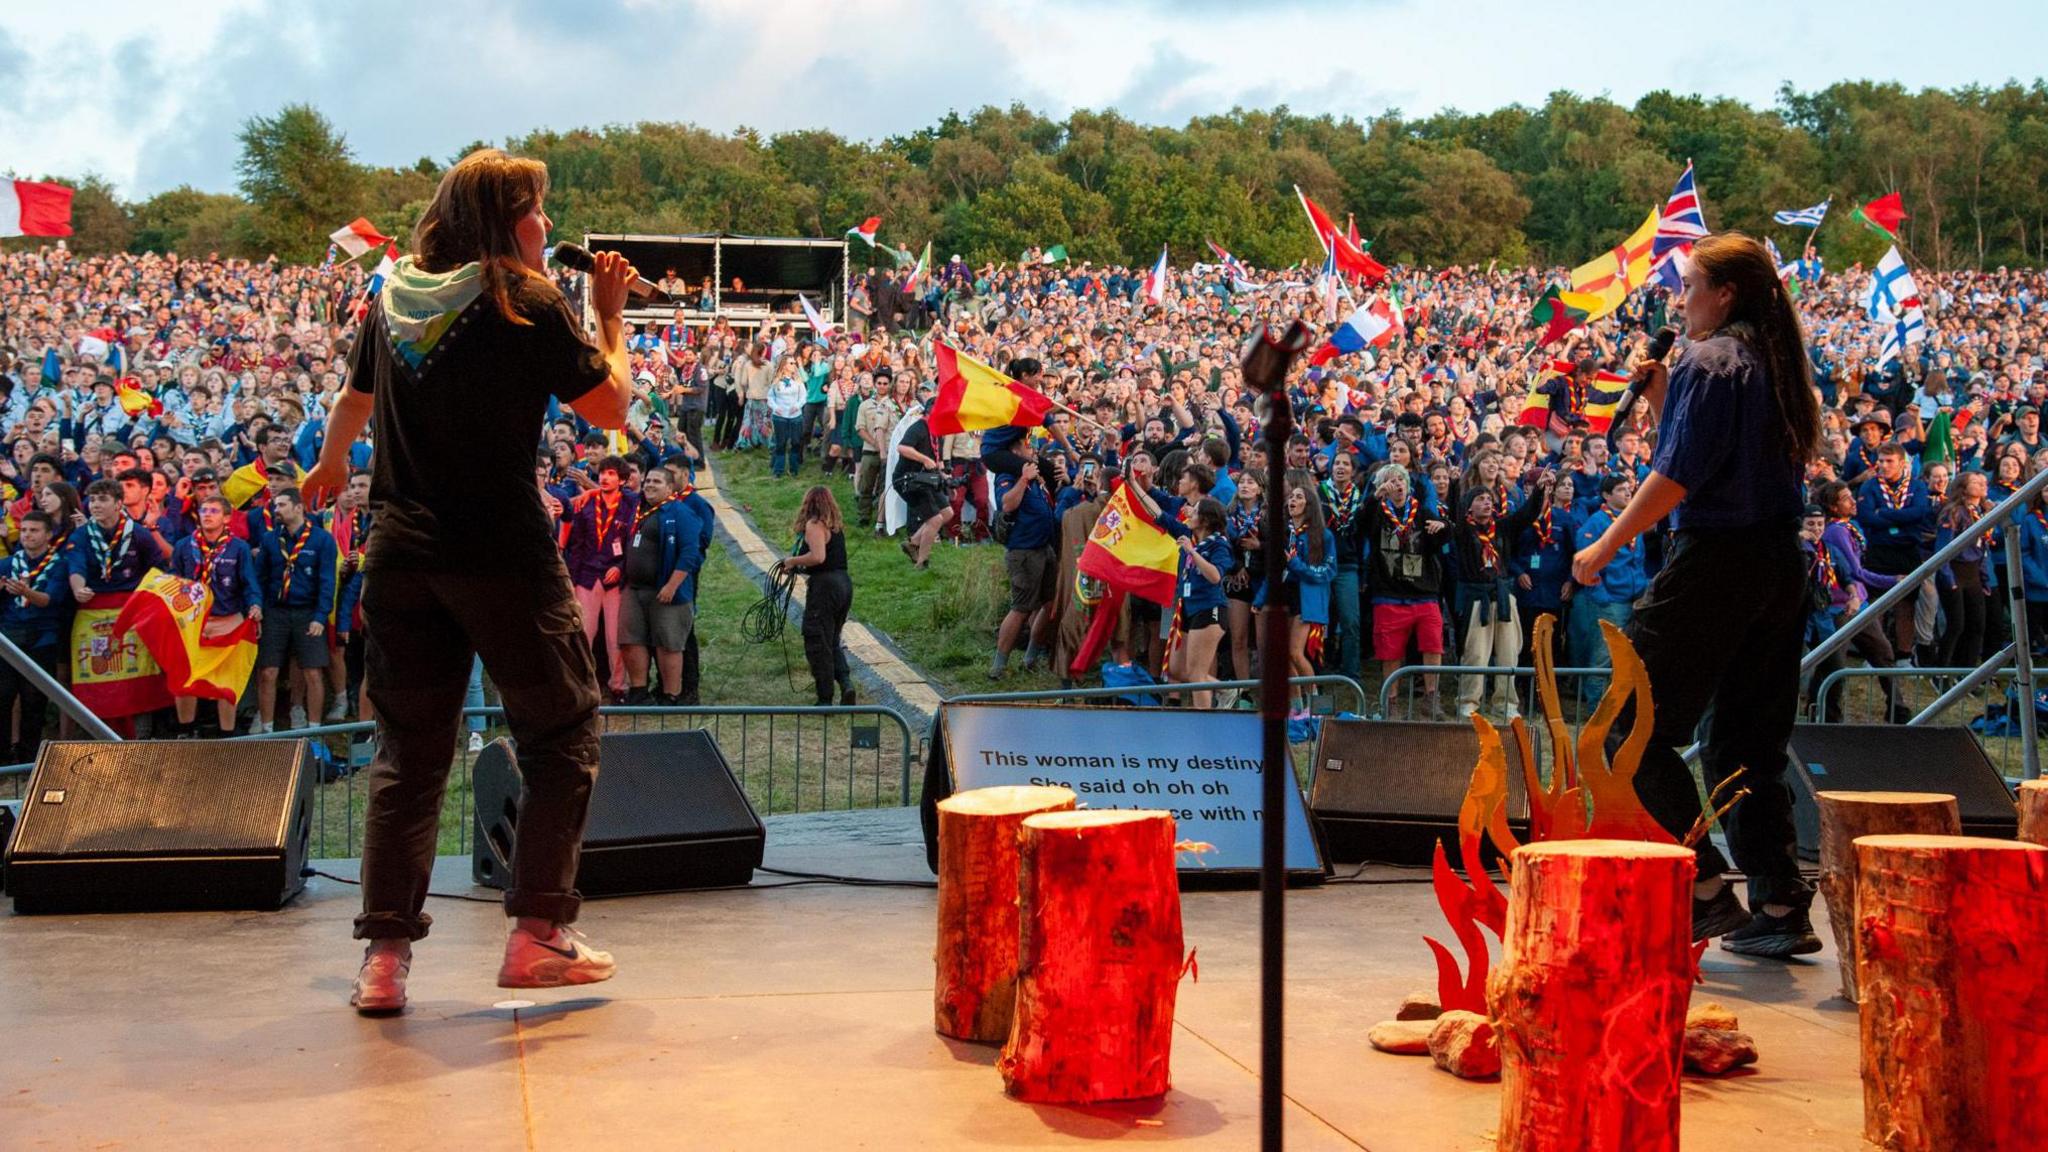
<point>1169,688</point>
<point>1524,682</point>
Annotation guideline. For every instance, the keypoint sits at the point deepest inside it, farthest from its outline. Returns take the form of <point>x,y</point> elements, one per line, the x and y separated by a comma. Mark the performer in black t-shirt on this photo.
<point>456,358</point>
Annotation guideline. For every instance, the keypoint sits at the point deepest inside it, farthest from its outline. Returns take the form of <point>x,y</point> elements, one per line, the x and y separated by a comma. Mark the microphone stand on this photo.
<point>1265,365</point>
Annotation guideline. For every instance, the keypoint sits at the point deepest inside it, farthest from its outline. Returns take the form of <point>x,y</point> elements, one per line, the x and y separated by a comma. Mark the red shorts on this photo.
<point>1393,624</point>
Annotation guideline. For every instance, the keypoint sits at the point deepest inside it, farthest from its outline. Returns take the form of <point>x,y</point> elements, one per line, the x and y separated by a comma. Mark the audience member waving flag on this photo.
<point>1892,293</point>
<point>1155,280</point>
<point>1617,271</point>
<point>34,208</point>
<point>819,325</point>
<point>973,397</point>
<point>867,229</point>
<point>1351,259</point>
<point>1370,326</point>
<point>169,615</point>
<point>1130,553</point>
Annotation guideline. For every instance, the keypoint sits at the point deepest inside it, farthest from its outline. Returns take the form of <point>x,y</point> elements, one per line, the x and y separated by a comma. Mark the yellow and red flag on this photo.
<point>111,673</point>
<point>1613,274</point>
<point>169,616</point>
<point>1130,553</point>
<point>1553,396</point>
<point>973,396</point>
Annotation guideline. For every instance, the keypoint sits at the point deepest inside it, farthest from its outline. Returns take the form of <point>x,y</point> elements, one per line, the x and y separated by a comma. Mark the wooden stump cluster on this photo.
<point>1846,816</point>
<point>976,982</point>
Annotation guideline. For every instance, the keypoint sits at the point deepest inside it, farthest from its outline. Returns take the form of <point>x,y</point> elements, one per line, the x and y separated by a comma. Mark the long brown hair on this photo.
<point>819,505</point>
<point>473,217</point>
<point>1764,308</point>
<point>1312,515</point>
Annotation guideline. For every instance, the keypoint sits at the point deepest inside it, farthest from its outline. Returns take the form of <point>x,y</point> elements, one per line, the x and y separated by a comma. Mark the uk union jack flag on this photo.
<point>1682,222</point>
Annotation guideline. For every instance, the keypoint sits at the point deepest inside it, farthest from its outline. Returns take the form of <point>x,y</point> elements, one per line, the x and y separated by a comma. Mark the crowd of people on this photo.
<point>158,412</point>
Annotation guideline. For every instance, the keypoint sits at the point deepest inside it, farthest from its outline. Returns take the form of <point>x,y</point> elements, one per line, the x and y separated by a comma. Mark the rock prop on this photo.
<point>1402,1037</point>
<point>1717,1051</point>
<point>1463,1044</point>
<point>1419,1006</point>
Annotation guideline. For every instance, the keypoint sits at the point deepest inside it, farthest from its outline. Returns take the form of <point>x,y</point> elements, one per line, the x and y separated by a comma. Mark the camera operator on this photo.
<point>919,480</point>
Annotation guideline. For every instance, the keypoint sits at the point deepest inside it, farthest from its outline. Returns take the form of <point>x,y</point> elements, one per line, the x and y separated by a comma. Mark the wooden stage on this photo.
<point>773,1018</point>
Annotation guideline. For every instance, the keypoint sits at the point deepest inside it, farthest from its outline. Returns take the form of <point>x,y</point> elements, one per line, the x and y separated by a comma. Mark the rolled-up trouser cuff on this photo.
<point>392,926</point>
<point>560,907</point>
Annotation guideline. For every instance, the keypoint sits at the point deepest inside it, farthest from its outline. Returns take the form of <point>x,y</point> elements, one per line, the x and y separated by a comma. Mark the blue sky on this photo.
<point>150,94</point>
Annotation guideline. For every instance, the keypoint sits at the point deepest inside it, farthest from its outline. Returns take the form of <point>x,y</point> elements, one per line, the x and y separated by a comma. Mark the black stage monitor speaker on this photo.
<point>666,815</point>
<point>1388,790</point>
<point>1897,758</point>
<point>160,825</point>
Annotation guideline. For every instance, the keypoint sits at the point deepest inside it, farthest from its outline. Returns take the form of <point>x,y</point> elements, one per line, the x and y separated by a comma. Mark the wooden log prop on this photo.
<point>1845,816</point>
<point>976,982</point>
<point>1099,961</point>
<point>1951,933</point>
<point>1590,997</point>
<point>2034,811</point>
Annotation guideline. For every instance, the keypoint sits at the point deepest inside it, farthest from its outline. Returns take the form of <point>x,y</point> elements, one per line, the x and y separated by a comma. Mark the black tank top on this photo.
<point>835,555</point>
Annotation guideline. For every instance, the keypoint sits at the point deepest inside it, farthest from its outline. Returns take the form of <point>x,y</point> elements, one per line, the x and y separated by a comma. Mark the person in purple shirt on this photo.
<point>1850,585</point>
<point>1721,627</point>
<point>594,535</point>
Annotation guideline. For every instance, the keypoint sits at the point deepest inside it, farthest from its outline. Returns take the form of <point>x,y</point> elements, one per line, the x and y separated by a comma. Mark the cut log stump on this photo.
<point>1845,816</point>
<point>1951,932</point>
<point>1590,996</point>
<point>1100,958</point>
<point>976,983</point>
<point>2034,811</point>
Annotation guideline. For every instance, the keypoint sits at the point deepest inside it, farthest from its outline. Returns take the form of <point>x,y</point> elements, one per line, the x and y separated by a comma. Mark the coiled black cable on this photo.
<point>763,623</point>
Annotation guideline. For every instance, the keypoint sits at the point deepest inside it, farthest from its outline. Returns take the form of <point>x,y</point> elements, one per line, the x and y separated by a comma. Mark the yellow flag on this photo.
<point>1613,274</point>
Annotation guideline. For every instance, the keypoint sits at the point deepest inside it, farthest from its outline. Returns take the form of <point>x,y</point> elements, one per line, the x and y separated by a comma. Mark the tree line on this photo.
<point>1554,184</point>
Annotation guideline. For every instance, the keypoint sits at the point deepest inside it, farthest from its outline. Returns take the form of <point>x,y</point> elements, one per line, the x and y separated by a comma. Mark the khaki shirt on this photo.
<point>876,419</point>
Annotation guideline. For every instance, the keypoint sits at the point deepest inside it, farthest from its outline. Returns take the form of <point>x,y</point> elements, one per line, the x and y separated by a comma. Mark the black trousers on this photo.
<point>1720,632</point>
<point>725,416</point>
<point>827,599</point>
<point>425,627</point>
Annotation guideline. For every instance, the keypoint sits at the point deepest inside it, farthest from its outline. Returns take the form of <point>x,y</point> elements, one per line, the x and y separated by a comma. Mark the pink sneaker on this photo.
<point>566,958</point>
<point>380,983</point>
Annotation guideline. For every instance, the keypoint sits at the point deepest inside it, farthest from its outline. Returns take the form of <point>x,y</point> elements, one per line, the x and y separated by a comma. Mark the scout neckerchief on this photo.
<point>1824,568</point>
<point>27,575</point>
<point>1855,531</point>
<point>645,512</point>
<point>1401,522</point>
<point>1344,504</point>
<point>210,550</point>
<point>1489,556</point>
<point>291,559</point>
<point>1896,498</point>
<point>109,553</point>
<point>1544,532</point>
<point>604,521</point>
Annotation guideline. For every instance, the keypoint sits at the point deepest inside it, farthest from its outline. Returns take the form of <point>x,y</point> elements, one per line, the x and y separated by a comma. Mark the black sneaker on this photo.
<point>1718,916</point>
<point>1778,937</point>
<point>639,696</point>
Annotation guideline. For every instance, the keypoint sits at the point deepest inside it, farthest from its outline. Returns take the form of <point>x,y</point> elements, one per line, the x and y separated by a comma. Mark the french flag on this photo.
<point>1682,221</point>
<point>1369,327</point>
<point>1155,280</point>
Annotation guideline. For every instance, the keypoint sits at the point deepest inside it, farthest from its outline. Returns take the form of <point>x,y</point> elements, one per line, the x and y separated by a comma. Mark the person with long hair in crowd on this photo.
<point>1737,421</point>
<point>828,591</point>
<point>1243,526</point>
<point>1969,581</point>
<point>1206,558</point>
<point>1305,589</point>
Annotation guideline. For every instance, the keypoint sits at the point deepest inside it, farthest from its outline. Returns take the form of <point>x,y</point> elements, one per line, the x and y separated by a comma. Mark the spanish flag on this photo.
<point>1615,272</point>
<point>251,484</point>
<point>973,396</point>
<point>1130,553</point>
<point>169,616</point>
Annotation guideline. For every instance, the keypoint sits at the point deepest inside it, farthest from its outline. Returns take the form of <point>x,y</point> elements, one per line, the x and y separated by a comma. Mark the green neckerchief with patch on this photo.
<point>421,307</point>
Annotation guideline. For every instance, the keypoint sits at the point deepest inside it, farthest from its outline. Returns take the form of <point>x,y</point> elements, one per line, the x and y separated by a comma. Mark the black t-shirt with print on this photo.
<point>451,481</point>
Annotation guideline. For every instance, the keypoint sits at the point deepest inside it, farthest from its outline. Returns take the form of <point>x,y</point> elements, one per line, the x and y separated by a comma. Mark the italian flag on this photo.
<point>34,208</point>
<point>973,397</point>
<point>867,229</point>
<point>922,273</point>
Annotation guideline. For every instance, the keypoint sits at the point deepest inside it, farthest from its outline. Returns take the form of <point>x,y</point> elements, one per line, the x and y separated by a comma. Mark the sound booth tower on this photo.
<point>1387,791</point>
<point>666,815</point>
<point>159,825</point>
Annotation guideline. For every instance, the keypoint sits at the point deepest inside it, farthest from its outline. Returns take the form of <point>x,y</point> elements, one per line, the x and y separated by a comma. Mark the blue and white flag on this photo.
<point>1804,217</point>
<point>1892,295</point>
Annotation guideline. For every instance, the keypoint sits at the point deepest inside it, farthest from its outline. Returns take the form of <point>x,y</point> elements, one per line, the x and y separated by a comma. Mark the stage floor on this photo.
<point>790,1018</point>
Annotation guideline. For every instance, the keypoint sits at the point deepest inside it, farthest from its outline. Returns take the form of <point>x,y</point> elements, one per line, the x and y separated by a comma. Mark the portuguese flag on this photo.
<point>973,396</point>
<point>1560,311</point>
<point>1130,553</point>
<point>1883,214</point>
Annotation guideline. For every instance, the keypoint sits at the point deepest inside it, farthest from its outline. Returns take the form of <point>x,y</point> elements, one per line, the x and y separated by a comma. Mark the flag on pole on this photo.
<point>1371,326</point>
<point>1905,330</point>
<point>1669,269</point>
<point>1596,407</point>
<point>1232,266</point>
<point>1351,259</point>
<point>327,262</point>
<point>1682,221</point>
<point>1615,273</point>
<point>34,208</point>
<point>920,273</point>
<point>1884,214</point>
<point>1892,293</point>
<point>819,324</point>
<point>1804,217</point>
<point>1560,311</point>
<point>1155,281</point>
<point>1787,272</point>
<point>1057,254</point>
<point>1130,553</point>
<point>973,397</point>
<point>867,229</point>
<point>1327,284</point>
<point>358,238</point>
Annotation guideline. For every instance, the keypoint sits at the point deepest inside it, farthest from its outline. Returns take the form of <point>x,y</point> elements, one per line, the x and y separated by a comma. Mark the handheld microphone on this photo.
<point>1659,347</point>
<point>577,257</point>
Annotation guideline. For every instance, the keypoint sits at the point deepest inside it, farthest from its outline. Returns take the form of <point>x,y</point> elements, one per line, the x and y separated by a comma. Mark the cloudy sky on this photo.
<point>150,94</point>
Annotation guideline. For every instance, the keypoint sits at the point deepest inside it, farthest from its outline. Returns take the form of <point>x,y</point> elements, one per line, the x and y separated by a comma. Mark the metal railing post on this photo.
<point>58,693</point>
<point>1965,686</point>
<point>2022,651</point>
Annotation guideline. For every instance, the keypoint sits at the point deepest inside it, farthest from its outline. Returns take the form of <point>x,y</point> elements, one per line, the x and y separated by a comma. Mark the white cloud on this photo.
<point>151,95</point>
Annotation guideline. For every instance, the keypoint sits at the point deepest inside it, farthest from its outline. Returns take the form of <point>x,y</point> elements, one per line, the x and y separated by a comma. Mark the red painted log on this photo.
<point>1590,996</point>
<point>1100,958</point>
<point>2034,811</point>
<point>1951,934</point>
<point>1844,818</point>
<point>976,981</point>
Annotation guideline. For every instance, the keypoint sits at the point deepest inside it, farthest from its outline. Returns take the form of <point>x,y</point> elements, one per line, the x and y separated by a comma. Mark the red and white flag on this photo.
<point>1351,259</point>
<point>358,238</point>
<point>819,324</point>
<point>32,208</point>
<point>867,229</point>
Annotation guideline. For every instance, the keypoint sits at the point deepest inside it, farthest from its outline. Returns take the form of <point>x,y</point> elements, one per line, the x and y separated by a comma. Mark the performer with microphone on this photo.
<point>456,359</point>
<point>1722,623</point>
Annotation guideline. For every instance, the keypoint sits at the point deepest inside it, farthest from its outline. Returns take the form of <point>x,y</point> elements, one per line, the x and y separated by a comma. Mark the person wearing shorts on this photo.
<point>1404,576</point>
<point>299,562</point>
<point>659,607</point>
<point>1031,557</point>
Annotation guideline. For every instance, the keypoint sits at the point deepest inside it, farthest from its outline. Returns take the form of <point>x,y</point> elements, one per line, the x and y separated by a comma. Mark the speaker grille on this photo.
<point>156,798</point>
<point>1405,770</point>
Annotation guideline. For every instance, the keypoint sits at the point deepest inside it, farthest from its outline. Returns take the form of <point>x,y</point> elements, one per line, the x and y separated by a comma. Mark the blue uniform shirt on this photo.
<point>235,582</point>
<point>312,569</point>
<point>112,561</point>
<point>27,625</point>
<point>1624,578</point>
<point>1719,401</point>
